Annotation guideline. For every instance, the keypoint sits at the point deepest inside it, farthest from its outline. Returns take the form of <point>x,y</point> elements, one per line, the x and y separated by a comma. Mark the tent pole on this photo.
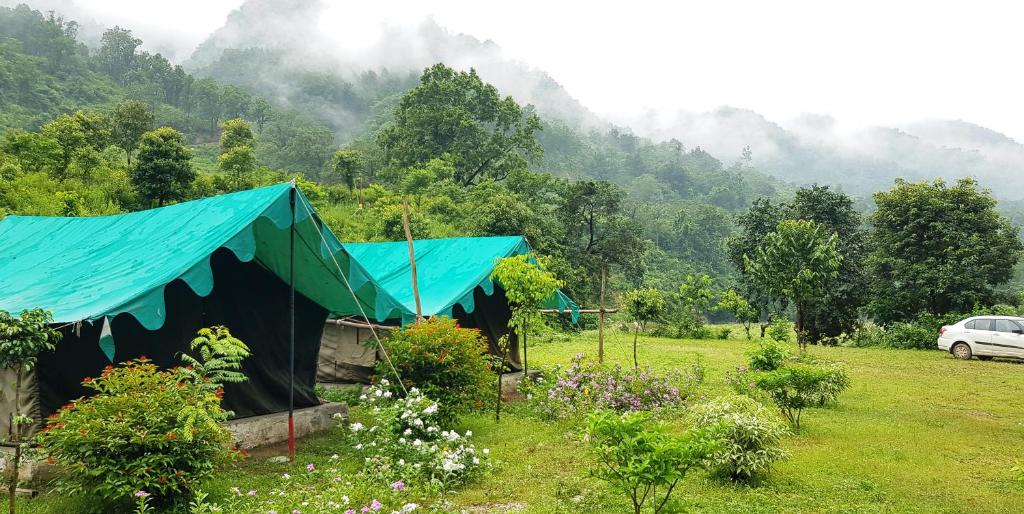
<point>412,258</point>
<point>291,329</point>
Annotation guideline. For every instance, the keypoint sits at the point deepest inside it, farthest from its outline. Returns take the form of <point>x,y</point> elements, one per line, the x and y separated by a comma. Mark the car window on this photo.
<point>982,324</point>
<point>1005,325</point>
<point>970,325</point>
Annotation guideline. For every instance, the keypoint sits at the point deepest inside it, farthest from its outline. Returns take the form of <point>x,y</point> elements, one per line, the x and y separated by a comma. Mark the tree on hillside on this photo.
<point>129,120</point>
<point>735,304</point>
<point>163,170</point>
<point>761,219</point>
<point>234,133</point>
<point>117,53</point>
<point>642,306</point>
<point>345,165</point>
<point>797,261</point>
<point>206,94</point>
<point>260,110</point>
<point>235,102</point>
<point>456,113</point>
<point>32,151</point>
<point>75,133</point>
<point>937,249</point>
<point>599,234</point>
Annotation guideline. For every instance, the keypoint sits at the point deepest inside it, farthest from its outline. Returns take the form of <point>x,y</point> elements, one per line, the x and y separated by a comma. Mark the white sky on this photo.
<point>864,61</point>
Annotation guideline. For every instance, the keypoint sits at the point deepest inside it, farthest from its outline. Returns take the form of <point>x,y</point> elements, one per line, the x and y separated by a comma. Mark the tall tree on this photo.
<point>937,249</point>
<point>117,53</point>
<point>797,261</point>
<point>163,170</point>
<point>837,310</point>
<point>235,133</point>
<point>129,121</point>
<point>345,165</point>
<point>456,113</point>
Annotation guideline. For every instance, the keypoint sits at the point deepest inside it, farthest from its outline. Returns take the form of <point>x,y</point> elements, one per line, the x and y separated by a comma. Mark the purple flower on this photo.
<point>310,467</point>
<point>141,494</point>
<point>376,505</point>
<point>398,486</point>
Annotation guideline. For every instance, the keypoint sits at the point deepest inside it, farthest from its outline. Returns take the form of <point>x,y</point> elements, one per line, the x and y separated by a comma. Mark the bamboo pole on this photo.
<point>412,258</point>
<point>600,321</point>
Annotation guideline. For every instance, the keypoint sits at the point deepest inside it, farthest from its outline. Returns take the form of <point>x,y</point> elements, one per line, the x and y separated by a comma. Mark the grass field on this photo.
<point>916,432</point>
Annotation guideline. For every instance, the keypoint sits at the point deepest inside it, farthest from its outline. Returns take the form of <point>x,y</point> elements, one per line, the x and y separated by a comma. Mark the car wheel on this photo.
<point>962,351</point>
<point>985,357</point>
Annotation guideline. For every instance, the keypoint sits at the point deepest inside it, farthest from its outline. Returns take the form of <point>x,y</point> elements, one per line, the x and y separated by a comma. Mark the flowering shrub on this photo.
<point>445,362</point>
<point>751,436</point>
<point>144,430</point>
<point>404,441</point>
<point>585,386</point>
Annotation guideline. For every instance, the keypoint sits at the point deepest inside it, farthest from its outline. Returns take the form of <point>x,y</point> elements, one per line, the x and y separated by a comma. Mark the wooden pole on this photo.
<point>526,365</point>
<point>412,258</point>
<point>600,319</point>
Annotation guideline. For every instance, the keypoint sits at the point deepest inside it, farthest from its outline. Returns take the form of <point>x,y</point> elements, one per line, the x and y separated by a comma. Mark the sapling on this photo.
<point>642,306</point>
<point>22,339</point>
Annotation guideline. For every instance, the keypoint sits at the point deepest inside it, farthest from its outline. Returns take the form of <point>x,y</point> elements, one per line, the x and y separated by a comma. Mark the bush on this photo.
<point>403,440</point>
<point>799,385</point>
<point>767,355</point>
<point>585,386</point>
<point>640,459</point>
<point>781,330</point>
<point>751,434</point>
<point>447,363</point>
<point>144,430</point>
<point>724,333</point>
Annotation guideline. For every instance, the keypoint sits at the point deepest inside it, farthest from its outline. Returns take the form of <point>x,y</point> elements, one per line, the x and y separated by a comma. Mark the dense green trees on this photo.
<point>938,248</point>
<point>456,114</point>
<point>129,120</point>
<point>797,261</point>
<point>163,171</point>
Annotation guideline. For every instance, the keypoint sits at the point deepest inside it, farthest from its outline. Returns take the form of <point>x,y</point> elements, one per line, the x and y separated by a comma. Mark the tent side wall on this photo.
<point>247,298</point>
<point>491,314</point>
<point>348,353</point>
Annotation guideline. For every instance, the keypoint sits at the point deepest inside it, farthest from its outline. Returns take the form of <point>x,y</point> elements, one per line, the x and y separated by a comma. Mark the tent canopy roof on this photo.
<point>84,269</point>
<point>448,271</point>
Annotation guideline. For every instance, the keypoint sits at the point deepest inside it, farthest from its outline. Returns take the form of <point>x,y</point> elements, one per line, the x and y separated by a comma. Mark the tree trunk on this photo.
<point>600,318</point>
<point>636,333</point>
<point>800,341</point>
<point>526,363</point>
<point>497,405</point>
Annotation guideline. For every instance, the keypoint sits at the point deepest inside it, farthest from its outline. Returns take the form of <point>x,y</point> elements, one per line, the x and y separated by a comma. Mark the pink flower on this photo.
<point>310,467</point>
<point>350,511</point>
<point>376,505</point>
<point>398,486</point>
<point>141,494</point>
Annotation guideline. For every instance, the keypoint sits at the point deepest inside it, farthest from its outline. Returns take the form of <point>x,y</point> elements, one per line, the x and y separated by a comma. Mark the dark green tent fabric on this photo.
<point>448,272</point>
<point>84,269</point>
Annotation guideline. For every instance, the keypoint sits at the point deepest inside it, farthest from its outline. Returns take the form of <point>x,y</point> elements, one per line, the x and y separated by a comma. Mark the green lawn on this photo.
<point>916,432</point>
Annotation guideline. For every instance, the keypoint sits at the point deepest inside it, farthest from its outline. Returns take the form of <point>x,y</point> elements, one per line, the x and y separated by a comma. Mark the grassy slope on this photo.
<point>916,432</point>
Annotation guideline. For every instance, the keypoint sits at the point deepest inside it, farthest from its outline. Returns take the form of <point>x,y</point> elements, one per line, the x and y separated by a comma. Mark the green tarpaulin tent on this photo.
<point>448,272</point>
<point>454,280</point>
<point>91,268</point>
<point>152,278</point>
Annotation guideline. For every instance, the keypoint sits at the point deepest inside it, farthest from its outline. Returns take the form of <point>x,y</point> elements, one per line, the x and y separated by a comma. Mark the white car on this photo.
<point>984,337</point>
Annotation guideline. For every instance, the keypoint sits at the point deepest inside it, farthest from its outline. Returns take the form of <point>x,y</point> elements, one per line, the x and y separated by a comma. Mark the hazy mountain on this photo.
<point>293,45</point>
<point>813,149</point>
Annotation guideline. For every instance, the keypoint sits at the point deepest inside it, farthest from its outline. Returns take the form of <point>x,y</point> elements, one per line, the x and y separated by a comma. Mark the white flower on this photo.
<point>401,440</point>
<point>384,382</point>
<point>344,500</point>
<point>401,462</point>
<point>418,422</point>
<point>408,431</point>
<point>356,427</point>
<point>409,507</point>
<point>469,433</point>
<point>286,476</point>
<point>362,397</point>
<point>378,393</point>
<point>476,461</point>
<point>487,450</point>
<point>338,415</point>
<point>387,394</point>
<point>432,408</point>
<point>334,457</point>
<point>417,443</point>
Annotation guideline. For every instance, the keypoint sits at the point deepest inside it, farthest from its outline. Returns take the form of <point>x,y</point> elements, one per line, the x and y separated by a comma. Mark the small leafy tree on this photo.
<point>22,339</point>
<point>526,284</point>
<point>641,306</point>
<point>219,359</point>
<point>129,121</point>
<point>735,304</point>
<point>797,261</point>
<point>638,457</point>
<point>696,295</point>
<point>795,387</point>
<point>163,170</point>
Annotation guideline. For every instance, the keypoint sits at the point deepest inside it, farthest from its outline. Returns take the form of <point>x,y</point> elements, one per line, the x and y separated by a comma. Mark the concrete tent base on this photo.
<point>269,429</point>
